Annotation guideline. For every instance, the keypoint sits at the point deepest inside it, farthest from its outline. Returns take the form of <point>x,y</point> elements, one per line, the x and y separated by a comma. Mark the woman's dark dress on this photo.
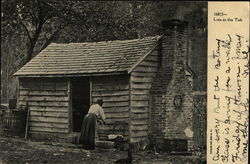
<point>87,135</point>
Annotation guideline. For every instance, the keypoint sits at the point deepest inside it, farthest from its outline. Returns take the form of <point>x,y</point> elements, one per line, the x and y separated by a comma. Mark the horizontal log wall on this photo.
<point>141,80</point>
<point>48,103</point>
<point>114,90</point>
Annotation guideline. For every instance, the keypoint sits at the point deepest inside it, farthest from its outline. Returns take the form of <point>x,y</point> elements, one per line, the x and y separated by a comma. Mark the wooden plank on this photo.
<point>110,93</point>
<point>154,54</point>
<point>68,69</point>
<point>70,108</point>
<point>153,63</point>
<point>139,122</point>
<point>37,87</point>
<point>111,80</point>
<point>44,98</point>
<point>139,92</point>
<point>26,81</point>
<point>102,90</point>
<point>144,74</point>
<point>43,85</point>
<point>111,121</point>
<point>27,122</point>
<point>157,59</point>
<point>138,115</point>
<point>152,57</point>
<point>145,69</point>
<point>139,103</point>
<point>48,124</point>
<point>48,129</point>
<point>116,109</point>
<point>50,114</point>
<point>141,79</point>
<point>112,99</point>
<point>139,128</point>
<point>54,134</point>
<point>115,104</point>
<point>54,104</point>
<point>110,87</point>
<point>110,128</point>
<point>116,115</point>
<point>71,59</point>
<point>30,87</point>
<point>49,119</point>
<point>101,46</point>
<point>61,86</point>
<point>122,79</point>
<point>18,92</point>
<point>143,58</point>
<point>49,86</point>
<point>44,80</point>
<point>140,97</point>
<point>129,123</point>
<point>139,109</point>
<point>42,101</point>
<point>62,64</point>
<point>79,74</point>
<point>43,93</point>
<point>91,93</point>
<point>49,109</point>
<point>141,86</point>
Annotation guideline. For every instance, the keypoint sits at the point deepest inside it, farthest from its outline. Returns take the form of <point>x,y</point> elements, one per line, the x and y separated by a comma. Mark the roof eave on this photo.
<point>152,49</point>
<point>74,75</point>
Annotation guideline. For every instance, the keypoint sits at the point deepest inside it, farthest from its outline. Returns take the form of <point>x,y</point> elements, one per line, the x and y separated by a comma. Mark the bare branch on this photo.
<point>48,41</point>
<point>47,18</point>
<point>25,28</point>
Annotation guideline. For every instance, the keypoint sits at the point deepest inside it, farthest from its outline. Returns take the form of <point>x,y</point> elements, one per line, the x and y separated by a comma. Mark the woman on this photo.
<point>89,130</point>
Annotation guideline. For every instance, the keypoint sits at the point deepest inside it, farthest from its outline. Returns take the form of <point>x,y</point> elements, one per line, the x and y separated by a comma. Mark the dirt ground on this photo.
<point>17,150</point>
<point>20,151</point>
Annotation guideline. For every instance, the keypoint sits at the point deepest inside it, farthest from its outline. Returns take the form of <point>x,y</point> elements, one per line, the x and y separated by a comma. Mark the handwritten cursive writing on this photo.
<point>230,102</point>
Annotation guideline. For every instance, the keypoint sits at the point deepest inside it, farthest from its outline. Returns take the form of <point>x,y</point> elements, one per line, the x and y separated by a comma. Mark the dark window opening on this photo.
<point>80,101</point>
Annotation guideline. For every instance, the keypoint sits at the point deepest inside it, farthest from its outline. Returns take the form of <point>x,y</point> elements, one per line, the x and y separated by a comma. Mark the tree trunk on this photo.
<point>34,40</point>
<point>30,50</point>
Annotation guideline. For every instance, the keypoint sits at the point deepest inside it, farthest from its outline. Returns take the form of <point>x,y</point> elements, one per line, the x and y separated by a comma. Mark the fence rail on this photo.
<point>14,120</point>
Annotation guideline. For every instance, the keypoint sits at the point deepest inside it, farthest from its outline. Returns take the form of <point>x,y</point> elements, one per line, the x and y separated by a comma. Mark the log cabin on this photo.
<point>144,82</point>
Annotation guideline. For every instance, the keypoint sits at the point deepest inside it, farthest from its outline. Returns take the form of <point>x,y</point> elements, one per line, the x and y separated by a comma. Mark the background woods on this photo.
<point>28,26</point>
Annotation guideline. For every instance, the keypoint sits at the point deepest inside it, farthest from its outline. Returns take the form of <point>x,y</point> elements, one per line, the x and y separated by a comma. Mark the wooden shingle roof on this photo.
<point>89,58</point>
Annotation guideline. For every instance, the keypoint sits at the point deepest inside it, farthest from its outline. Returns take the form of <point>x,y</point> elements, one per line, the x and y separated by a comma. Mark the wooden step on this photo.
<point>104,145</point>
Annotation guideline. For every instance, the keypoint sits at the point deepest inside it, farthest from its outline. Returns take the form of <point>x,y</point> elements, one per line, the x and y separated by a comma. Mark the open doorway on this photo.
<point>80,101</point>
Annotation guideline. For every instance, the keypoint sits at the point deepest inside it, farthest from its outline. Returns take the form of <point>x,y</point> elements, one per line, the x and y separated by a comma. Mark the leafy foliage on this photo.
<point>43,21</point>
<point>28,26</point>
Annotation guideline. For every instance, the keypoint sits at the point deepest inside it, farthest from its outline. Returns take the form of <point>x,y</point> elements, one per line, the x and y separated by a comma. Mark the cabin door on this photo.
<point>80,101</point>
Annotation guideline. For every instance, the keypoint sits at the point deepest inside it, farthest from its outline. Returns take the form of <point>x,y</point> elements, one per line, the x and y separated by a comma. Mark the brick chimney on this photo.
<point>174,50</point>
<point>174,44</point>
<point>177,99</point>
<point>173,109</point>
